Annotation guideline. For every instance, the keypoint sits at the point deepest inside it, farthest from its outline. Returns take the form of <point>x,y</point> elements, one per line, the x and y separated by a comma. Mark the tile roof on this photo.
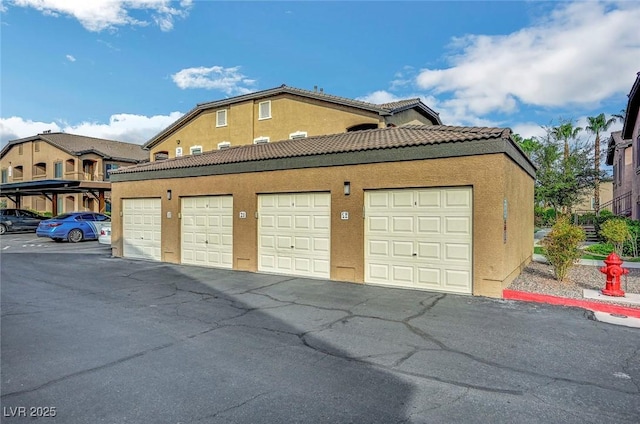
<point>80,144</point>
<point>382,109</point>
<point>376,139</point>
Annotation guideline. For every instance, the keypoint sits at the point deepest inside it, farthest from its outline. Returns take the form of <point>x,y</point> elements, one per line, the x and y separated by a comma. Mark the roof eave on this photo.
<point>633,107</point>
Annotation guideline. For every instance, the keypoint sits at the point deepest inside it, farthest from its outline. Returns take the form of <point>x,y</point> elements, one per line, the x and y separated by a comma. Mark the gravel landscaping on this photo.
<point>538,278</point>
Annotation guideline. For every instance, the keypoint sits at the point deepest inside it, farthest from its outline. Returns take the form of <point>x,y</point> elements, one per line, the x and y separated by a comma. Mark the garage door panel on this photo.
<point>302,233</point>
<point>457,198</point>
<point>429,224</point>
<point>402,224</point>
<point>402,274</point>
<point>457,252</point>
<point>402,249</point>
<point>284,222</point>
<point>207,229</point>
<point>429,277</point>
<point>457,278</point>
<point>378,248</point>
<point>401,200</point>
<point>379,224</point>
<point>429,199</point>
<point>457,225</point>
<point>434,224</point>
<point>321,245</point>
<point>431,251</point>
<point>303,222</point>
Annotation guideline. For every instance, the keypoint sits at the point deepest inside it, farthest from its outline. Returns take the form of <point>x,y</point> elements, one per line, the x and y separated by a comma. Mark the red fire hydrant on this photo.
<point>613,269</point>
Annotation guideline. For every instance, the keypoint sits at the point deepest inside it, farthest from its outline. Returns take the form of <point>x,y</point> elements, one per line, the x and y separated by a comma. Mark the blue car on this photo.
<point>73,226</point>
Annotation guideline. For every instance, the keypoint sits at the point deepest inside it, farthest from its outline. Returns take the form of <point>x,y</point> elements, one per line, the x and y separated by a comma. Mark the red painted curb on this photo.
<point>564,301</point>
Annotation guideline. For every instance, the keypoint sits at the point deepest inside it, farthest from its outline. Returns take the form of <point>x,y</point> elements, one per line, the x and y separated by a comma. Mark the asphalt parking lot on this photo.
<point>87,338</point>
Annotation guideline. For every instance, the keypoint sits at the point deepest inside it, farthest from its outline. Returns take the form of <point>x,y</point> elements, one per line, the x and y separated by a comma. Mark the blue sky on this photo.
<point>127,69</point>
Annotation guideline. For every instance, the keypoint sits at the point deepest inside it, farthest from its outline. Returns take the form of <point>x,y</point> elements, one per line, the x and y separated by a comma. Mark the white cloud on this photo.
<point>122,127</point>
<point>378,97</point>
<point>71,58</point>
<point>99,15</point>
<point>583,53</point>
<point>227,80</point>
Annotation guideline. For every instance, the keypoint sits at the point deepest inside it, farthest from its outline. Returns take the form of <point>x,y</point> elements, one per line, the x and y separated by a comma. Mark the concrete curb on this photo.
<point>563,301</point>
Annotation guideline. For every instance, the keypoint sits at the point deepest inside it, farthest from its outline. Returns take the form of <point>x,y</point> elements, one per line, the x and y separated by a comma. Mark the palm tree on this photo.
<point>619,116</point>
<point>565,131</point>
<point>598,124</point>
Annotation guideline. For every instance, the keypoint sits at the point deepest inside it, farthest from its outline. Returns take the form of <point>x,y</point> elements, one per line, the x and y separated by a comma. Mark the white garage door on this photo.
<point>207,231</point>
<point>419,238</point>
<point>294,233</point>
<point>141,228</point>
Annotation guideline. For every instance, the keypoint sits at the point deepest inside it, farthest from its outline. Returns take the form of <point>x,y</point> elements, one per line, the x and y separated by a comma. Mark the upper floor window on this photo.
<point>4,176</point>
<point>160,155</point>
<point>18,172</point>
<point>261,140</point>
<point>224,145</point>
<point>36,146</point>
<point>40,169</point>
<point>20,149</point>
<point>195,150</point>
<point>108,168</point>
<point>298,134</point>
<point>57,170</point>
<point>221,118</point>
<point>264,110</point>
<point>178,152</point>
<point>70,165</point>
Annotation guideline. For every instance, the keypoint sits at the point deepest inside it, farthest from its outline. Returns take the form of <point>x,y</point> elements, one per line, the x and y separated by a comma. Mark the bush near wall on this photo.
<point>562,246</point>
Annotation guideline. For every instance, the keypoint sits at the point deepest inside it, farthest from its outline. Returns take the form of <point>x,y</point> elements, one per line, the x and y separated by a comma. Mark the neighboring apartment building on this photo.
<point>49,157</point>
<point>624,155</point>
<point>620,156</point>
<point>278,114</point>
<point>587,202</point>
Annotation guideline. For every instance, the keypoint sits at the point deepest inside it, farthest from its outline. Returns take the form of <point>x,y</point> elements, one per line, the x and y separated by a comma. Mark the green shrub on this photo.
<point>562,246</point>
<point>616,232</point>
<point>602,217</point>
<point>600,249</point>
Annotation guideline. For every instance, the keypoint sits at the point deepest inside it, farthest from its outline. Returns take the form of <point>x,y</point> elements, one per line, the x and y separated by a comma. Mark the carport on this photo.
<point>51,188</point>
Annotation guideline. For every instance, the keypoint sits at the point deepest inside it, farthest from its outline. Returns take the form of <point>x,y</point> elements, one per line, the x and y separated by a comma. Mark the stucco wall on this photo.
<point>288,115</point>
<point>493,178</point>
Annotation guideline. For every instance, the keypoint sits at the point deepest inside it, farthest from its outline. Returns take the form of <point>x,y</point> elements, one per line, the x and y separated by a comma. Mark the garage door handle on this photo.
<point>292,247</point>
<point>206,242</point>
<point>415,254</point>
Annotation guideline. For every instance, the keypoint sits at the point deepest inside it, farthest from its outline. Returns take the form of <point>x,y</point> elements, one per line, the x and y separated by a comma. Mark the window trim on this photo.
<point>224,145</point>
<point>178,152</point>
<point>261,140</point>
<point>260,117</point>
<point>198,150</point>
<point>218,114</point>
<point>298,135</point>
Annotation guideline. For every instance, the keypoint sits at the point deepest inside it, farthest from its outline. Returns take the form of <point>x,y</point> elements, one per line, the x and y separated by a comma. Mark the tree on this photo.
<point>561,181</point>
<point>565,132</point>
<point>528,145</point>
<point>598,124</point>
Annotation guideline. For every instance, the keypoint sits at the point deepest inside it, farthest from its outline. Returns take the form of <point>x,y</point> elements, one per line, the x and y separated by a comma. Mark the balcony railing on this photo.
<point>620,206</point>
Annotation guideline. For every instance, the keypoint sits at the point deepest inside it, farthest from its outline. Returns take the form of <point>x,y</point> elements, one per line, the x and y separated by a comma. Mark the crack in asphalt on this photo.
<point>231,408</point>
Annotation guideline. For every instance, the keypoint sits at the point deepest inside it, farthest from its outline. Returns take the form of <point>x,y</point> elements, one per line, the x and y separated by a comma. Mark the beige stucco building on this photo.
<point>34,167</point>
<point>425,207</point>
<point>278,114</point>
